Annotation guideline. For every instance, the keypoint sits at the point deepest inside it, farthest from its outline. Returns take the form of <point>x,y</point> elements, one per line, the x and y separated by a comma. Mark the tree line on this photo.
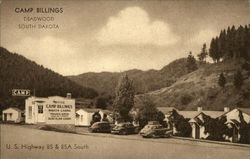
<point>231,44</point>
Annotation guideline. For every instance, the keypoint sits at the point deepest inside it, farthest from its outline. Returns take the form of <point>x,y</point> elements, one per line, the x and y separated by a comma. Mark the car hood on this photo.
<point>145,130</point>
<point>117,128</point>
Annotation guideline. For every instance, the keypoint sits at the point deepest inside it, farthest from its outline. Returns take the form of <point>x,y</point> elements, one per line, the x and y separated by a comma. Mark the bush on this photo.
<point>181,124</point>
<point>186,99</point>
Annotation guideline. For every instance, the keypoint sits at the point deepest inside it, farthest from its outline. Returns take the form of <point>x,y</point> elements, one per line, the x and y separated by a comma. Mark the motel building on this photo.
<point>13,114</point>
<point>50,110</point>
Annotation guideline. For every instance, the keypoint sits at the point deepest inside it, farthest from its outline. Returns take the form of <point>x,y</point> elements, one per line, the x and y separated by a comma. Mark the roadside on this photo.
<point>31,143</point>
<point>172,139</point>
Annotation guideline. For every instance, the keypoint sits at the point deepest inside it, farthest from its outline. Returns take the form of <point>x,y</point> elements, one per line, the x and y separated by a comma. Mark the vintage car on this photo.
<point>125,129</point>
<point>101,127</point>
<point>155,130</point>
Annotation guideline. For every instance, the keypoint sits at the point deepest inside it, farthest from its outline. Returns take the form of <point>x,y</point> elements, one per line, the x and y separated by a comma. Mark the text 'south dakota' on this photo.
<point>38,26</point>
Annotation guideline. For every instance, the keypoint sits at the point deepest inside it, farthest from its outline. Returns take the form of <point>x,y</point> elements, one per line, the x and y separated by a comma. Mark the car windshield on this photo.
<point>149,126</point>
<point>153,126</point>
<point>120,125</point>
<point>95,125</point>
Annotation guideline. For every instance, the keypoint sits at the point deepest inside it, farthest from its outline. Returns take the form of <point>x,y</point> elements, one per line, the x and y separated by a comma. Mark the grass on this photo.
<point>201,85</point>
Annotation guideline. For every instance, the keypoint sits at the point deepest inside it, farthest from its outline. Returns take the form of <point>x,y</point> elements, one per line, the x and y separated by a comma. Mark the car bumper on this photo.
<point>115,131</point>
<point>145,135</point>
<point>91,130</point>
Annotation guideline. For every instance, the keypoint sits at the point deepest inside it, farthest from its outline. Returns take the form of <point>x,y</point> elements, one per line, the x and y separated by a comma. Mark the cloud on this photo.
<point>54,53</point>
<point>203,36</point>
<point>132,26</point>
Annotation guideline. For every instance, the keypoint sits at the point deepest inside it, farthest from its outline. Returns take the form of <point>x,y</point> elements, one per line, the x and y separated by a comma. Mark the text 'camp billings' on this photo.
<point>39,10</point>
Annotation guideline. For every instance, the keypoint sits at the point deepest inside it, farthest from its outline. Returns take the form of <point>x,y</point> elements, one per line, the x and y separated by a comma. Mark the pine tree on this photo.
<point>238,79</point>
<point>191,63</point>
<point>212,50</point>
<point>215,50</point>
<point>222,80</point>
<point>203,54</point>
<point>124,99</point>
<point>223,44</point>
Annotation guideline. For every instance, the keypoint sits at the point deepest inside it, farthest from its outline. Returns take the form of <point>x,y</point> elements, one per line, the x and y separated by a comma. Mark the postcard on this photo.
<point>119,79</point>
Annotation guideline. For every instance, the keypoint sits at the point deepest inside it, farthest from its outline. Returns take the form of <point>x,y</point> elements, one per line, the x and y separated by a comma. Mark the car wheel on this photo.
<point>123,132</point>
<point>146,136</point>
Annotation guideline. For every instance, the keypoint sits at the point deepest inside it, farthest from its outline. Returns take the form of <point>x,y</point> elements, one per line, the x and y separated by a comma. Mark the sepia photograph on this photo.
<point>119,79</point>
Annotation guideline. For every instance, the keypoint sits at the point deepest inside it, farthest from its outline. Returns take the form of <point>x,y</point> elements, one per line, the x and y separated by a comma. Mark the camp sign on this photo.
<point>60,112</point>
<point>20,92</point>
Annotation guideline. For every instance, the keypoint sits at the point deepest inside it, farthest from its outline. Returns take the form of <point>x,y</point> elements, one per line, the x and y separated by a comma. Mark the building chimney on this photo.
<point>68,95</point>
<point>199,109</point>
<point>226,109</point>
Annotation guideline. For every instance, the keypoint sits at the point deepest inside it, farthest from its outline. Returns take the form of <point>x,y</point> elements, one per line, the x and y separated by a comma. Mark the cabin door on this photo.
<point>40,113</point>
<point>197,131</point>
<point>5,116</point>
<point>235,135</point>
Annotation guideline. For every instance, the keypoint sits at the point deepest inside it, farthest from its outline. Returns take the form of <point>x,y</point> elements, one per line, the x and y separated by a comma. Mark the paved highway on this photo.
<point>23,142</point>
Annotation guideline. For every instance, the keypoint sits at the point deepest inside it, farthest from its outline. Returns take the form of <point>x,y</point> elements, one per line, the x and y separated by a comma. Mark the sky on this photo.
<point>114,36</point>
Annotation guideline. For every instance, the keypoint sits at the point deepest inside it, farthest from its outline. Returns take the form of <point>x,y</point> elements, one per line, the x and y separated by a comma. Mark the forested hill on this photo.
<point>144,81</point>
<point>18,72</point>
<point>225,83</point>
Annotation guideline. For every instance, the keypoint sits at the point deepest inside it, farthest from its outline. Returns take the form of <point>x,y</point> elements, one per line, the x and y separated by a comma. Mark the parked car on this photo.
<point>125,129</point>
<point>155,130</point>
<point>101,127</point>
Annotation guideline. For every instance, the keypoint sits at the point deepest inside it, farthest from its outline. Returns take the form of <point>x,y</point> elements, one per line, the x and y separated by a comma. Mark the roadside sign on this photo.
<point>20,92</point>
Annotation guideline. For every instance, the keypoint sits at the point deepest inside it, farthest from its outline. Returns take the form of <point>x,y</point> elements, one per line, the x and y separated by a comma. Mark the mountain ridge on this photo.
<point>144,81</point>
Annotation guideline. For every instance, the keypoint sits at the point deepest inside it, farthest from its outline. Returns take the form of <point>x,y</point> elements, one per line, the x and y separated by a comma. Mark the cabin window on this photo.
<point>30,112</point>
<point>10,115</point>
<point>40,109</point>
<point>81,118</point>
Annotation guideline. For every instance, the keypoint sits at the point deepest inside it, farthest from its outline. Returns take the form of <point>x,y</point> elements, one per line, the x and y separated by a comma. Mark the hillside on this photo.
<point>200,88</point>
<point>18,72</point>
<point>144,81</point>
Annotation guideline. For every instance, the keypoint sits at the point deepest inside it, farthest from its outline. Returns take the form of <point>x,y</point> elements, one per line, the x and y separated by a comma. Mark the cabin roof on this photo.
<point>189,114</point>
<point>15,108</point>
<point>93,110</point>
<point>166,110</point>
<point>245,110</point>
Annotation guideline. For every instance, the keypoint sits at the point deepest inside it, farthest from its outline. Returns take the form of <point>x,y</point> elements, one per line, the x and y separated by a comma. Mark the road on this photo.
<point>22,141</point>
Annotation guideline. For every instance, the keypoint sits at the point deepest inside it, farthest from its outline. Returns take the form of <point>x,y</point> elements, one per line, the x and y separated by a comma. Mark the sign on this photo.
<point>60,111</point>
<point>20,92</point>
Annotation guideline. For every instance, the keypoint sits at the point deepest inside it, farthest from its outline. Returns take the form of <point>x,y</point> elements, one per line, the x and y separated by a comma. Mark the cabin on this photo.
<point>198,121</point>
<point>195,118</point>
<point>84,116</point>
<point>13,114</point>
<point>234,119</point>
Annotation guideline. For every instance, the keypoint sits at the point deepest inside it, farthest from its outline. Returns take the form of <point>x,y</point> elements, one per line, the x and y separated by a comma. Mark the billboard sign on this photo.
<point>20,92</point>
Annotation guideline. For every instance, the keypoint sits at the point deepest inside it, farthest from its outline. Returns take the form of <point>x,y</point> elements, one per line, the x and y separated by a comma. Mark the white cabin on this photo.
<point>13,114</point>
<point>84,116</point>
